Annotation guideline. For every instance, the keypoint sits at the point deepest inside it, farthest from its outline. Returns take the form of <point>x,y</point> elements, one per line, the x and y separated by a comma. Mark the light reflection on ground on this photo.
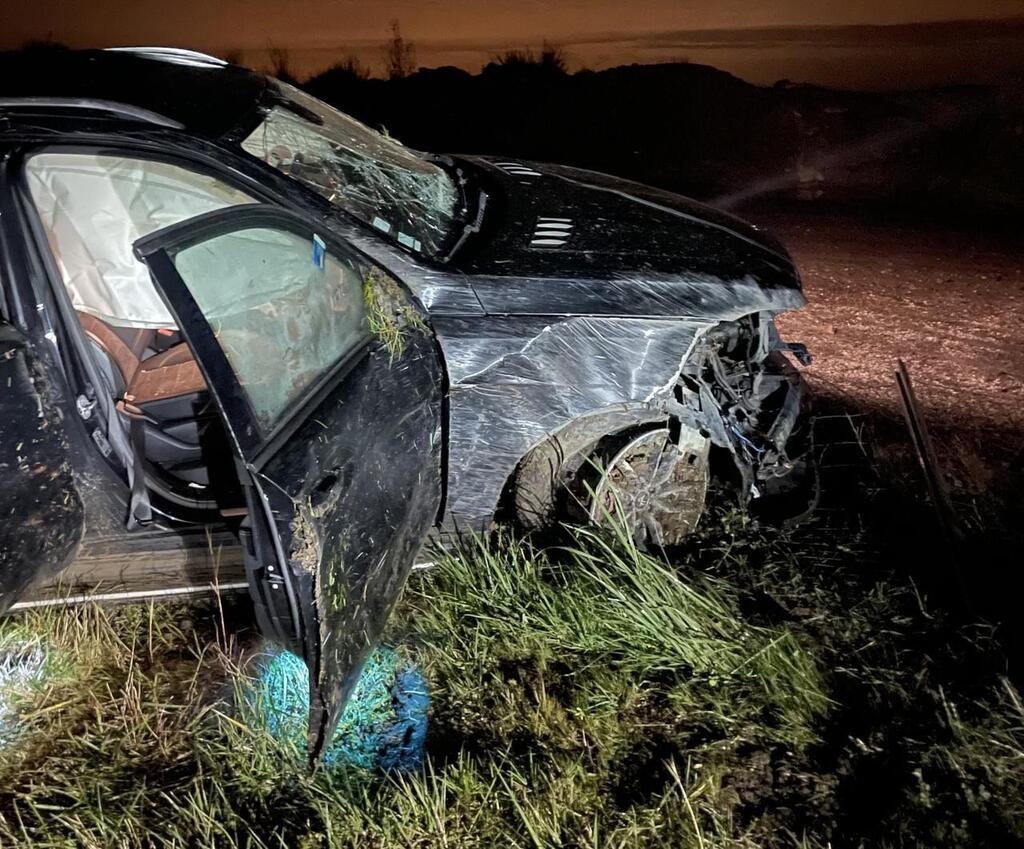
<point>23,664</point>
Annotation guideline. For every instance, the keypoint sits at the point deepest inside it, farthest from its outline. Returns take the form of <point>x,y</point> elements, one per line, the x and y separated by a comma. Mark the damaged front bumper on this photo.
<point>738,387</point>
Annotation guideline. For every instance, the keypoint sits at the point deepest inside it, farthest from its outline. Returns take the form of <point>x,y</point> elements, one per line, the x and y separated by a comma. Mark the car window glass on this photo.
<point>393,189</point>
<point>282,308</point>
<point>94,207</point>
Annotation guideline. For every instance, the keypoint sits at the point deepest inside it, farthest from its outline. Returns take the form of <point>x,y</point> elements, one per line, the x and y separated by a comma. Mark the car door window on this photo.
<point>283,309</point>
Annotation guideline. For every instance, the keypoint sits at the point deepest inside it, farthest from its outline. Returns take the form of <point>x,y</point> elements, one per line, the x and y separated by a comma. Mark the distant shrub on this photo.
<point>349,66</point>
<point>551,60</point>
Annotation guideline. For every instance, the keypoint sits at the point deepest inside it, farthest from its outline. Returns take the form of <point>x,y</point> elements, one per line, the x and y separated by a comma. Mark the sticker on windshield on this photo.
<point>409,241</point>
<point>319,250</point>
<point>382,225</point>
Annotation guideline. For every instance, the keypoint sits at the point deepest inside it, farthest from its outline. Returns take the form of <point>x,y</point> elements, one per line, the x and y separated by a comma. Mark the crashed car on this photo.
<point>226,304</point>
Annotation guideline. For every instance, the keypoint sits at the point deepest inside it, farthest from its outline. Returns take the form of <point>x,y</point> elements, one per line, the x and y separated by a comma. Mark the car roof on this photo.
<point>159,85</point>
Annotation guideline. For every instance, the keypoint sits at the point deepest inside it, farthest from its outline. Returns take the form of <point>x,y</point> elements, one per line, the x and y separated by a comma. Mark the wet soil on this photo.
<point>947,298</point>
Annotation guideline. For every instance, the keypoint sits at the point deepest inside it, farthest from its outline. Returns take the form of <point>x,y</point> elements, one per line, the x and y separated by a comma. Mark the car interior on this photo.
<point>92,209</point>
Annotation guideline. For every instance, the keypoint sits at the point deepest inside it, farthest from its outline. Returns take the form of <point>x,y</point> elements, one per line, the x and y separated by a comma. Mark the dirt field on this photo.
<point>950,302</point>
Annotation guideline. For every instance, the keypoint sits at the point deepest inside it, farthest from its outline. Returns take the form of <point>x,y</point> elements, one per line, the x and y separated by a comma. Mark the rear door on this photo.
<point>41,513</point>
<point>330,383</point>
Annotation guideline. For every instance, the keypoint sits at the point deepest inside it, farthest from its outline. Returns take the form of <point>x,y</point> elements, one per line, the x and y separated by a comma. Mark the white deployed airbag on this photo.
<point>94,207</point>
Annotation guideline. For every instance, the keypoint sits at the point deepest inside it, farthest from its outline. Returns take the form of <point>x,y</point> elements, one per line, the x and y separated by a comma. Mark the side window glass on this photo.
<point>282,308</point>
<point>94,207</point>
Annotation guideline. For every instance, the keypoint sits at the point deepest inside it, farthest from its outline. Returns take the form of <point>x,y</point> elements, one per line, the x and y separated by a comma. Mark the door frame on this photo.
<point>45,285</point>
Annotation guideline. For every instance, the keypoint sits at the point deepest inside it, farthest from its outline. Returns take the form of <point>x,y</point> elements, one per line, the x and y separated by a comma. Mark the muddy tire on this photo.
<point>647,480</point>
<point>654,488</point>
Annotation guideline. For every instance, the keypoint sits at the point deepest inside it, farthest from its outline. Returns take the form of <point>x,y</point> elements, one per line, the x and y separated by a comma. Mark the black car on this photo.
<point>228,305</point>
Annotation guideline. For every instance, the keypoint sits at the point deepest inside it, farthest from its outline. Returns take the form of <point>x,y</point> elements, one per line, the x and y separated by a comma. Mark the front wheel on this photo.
<point>650,482</point>
<point>654,487</point>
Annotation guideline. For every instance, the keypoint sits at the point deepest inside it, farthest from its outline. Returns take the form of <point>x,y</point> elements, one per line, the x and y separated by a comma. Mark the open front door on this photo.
<point>330,384</point>
<point>41,515</point>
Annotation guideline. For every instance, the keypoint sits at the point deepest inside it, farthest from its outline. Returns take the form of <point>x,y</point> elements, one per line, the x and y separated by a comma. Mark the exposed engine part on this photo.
<point>738,385</point>
<point>655,486</point>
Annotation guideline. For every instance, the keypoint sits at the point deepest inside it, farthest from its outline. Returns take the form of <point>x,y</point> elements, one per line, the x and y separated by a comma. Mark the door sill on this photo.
<point>155,565</point>
<point>127,596</point>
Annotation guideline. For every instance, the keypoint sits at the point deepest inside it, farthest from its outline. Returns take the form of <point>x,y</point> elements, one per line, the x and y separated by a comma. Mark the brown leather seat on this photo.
<point>162,394</point>
<point>169,374</point>
<point>164,397</point>
<point>125,349</point>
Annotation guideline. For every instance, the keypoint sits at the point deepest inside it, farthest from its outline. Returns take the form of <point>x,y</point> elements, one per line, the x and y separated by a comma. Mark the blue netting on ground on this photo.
<point>22,666</point>
<point>384,725</point>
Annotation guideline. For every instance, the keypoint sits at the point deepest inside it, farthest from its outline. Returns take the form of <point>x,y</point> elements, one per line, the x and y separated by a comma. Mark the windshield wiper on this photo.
<point>461,180</point>
<point>470,227</point>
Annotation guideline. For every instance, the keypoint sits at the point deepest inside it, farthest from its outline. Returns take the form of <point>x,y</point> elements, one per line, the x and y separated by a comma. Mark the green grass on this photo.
<point>590,697</point>
<point>616,625</point>
<point>389,313</point>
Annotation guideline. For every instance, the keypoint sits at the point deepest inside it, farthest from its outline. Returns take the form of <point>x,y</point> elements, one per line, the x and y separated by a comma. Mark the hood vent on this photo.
<point>551,232</point>
<point>517,169</point>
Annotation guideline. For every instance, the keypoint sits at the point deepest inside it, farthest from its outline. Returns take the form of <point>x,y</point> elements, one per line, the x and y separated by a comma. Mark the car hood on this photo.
<point>552,220</point>
<point>662,253</point>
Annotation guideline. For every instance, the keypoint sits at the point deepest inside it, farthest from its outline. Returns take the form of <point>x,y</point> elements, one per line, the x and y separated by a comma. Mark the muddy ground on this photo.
<point>947,298</point>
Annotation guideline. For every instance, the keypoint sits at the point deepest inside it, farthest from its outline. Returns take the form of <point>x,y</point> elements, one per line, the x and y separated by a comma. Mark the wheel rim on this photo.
<point>654,488</point>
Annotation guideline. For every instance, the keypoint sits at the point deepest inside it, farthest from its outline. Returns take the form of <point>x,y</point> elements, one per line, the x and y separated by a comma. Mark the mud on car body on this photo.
<point>227,304</point>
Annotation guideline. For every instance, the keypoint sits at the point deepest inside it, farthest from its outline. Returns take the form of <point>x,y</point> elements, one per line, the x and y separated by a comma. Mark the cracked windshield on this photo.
<point>372,177</point>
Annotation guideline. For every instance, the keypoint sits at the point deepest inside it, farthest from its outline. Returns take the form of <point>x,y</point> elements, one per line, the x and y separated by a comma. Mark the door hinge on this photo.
<point>273,579</point>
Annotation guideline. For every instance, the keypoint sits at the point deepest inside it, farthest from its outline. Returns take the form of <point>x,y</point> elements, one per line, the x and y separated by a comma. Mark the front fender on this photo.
<point>515,382</point>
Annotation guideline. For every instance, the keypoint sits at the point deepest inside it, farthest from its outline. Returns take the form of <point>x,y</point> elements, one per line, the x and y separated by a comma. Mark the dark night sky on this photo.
<point>856,43</point>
